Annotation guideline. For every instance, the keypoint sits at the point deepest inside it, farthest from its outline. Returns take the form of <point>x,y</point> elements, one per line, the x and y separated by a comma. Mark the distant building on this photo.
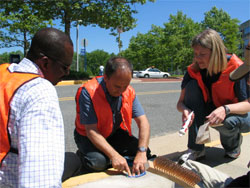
<point>245,30</point>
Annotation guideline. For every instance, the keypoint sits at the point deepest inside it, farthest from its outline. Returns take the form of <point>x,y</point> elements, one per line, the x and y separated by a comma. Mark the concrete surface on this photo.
<point>171,146</point>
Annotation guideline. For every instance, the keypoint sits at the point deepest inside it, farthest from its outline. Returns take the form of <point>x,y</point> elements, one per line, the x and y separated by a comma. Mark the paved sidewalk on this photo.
<point>171,146</point>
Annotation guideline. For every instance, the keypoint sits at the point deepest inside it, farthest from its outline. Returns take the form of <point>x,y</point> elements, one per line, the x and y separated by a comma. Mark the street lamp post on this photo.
<point>77,45</point>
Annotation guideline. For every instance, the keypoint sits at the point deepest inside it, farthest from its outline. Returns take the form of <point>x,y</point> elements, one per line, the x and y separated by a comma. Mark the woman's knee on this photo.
<point>193,94</point>
<point>229,125</point>
<point>239,122</point>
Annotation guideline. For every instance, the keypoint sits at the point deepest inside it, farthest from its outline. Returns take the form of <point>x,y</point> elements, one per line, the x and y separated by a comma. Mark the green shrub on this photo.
<point>74,75</point>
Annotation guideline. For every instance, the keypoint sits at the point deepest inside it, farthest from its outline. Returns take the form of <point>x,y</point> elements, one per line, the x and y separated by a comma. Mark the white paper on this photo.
<point>203,135</point>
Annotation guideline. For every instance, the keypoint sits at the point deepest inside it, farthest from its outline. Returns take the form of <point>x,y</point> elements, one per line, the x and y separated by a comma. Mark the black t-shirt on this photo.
<point>209,80</point>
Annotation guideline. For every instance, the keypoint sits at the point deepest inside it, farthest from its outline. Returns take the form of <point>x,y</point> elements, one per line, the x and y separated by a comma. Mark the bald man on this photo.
<point>106,106</point>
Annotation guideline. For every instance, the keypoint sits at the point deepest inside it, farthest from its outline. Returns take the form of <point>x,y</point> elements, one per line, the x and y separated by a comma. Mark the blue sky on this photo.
<point>156,13</point>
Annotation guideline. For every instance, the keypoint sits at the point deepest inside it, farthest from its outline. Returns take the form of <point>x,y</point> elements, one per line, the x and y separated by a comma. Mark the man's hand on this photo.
<point>138,165</point>
<point>120,163</point>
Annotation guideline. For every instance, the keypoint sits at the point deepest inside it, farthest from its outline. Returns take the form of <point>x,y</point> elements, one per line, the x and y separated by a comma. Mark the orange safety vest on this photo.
<point>223,89</point>
<point>103,110</point>
<point>9,83</point>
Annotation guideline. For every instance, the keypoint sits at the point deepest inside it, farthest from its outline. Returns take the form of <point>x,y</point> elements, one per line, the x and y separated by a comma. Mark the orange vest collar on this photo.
<point>221,86</point>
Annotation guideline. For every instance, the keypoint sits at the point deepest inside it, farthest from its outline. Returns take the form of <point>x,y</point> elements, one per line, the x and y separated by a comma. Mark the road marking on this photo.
<point>157,92</point>
<point>67,99</point>
<point>137,93</point>
<point>217,142</point>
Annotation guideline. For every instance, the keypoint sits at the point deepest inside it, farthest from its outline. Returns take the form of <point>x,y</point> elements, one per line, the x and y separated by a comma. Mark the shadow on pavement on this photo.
<point>214,157</point>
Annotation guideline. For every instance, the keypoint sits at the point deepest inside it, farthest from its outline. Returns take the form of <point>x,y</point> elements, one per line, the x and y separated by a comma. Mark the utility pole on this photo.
<point>77,45</point>
<point>84,43</point>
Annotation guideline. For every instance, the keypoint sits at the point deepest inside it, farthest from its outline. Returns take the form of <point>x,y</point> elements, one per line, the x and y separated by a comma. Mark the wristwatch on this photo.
<point>142,149</point>
<point>227,110</point>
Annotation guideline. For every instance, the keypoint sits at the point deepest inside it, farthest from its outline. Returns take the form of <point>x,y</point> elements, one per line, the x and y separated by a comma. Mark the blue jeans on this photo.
<point>233,125</point>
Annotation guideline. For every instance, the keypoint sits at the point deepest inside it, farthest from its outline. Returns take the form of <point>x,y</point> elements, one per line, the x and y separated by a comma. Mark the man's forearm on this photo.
<point>144,131</point>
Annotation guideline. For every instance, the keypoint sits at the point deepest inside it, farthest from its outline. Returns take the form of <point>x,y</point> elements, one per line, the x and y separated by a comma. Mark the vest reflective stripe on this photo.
<point>103,109</point>
<point>9,83</point>
<point>223,89</point>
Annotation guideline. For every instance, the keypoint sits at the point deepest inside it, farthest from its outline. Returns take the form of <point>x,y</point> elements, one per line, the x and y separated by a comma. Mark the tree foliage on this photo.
<point>108,14</point>
<point>169,48</point>
<point>221,21</point>
<point>18,23</point>
<point>166,48</point>
<point>5,57</point>
<point>22,18</point>
<point>95,59</point>
<point>179,32</point>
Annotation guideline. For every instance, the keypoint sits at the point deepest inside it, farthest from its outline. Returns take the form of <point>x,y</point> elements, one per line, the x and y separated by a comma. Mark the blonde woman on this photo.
<point>214,98</point>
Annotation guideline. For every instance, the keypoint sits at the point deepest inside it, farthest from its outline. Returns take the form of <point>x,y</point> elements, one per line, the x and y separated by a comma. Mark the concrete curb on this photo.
<point>134,80</point>
<point>71,82</point>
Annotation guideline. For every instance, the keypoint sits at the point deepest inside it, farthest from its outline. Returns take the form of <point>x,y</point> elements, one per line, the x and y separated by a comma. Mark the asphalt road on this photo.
<point>158,99</point>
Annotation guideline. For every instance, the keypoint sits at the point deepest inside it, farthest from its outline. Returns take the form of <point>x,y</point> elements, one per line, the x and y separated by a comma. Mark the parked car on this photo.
<point>152,73</point>
<point>135,73</point>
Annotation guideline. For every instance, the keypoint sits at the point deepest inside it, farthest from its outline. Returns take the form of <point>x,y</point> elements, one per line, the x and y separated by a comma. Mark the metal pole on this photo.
<point>85,55</point>
<point>77,48</point>
<point>85,60</point>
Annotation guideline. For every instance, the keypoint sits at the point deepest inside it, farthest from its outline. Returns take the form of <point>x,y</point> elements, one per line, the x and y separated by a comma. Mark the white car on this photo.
<point>135,73</point>
<point>152,73</point>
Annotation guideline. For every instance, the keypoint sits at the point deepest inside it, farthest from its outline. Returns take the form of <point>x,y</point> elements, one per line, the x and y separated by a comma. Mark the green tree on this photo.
<point>5,57</point>
<point>95,59</point>
<point>104,13</point>
<point>147,50</point>
<point>18,23</point>
<point>138,51</point>
<point>165,48</point>
<point>221,21</point>
<point>169,47</point>
<point>179,32</point>
<point>108,14</point>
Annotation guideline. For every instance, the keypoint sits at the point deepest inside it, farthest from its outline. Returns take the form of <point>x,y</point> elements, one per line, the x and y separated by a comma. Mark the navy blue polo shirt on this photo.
<point>87,111</point>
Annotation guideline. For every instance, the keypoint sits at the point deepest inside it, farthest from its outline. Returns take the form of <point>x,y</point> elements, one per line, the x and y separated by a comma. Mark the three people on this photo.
<point>32,131</point>
<point>208,91</point>
<point>106,106</point>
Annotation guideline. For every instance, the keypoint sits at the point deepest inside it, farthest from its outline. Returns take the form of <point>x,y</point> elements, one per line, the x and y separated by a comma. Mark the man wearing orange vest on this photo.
<point>213,97</point>
<point>105,108</point>
<point>31,124</point>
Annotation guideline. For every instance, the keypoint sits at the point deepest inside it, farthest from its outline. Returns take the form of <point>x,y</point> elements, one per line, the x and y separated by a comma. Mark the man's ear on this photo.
<point>43,63</point>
